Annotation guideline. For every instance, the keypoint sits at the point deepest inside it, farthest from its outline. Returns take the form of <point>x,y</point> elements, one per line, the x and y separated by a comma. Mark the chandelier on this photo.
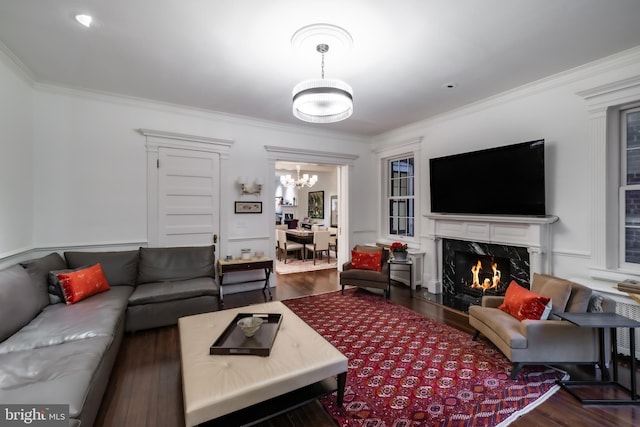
<point>305,181</point>
<point>322,100</point>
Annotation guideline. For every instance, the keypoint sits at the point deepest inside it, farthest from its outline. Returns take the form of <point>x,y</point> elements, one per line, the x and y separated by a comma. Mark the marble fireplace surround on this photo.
<point>504,236</point>
<point>515,266</point>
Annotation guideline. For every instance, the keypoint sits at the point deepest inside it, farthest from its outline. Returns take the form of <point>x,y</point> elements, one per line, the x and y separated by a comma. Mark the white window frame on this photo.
<point>409,197</point>
<point>604,104</point>
<point>399,150</point>
<point>623,188</point>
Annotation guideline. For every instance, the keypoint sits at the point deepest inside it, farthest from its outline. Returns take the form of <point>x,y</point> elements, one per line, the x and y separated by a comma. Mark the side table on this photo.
<point>398,264</point>
<point>225,266</point>
<point>602,321</point>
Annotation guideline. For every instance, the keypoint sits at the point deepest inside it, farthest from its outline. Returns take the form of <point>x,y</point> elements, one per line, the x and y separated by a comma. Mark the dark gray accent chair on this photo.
<point>350,276</point>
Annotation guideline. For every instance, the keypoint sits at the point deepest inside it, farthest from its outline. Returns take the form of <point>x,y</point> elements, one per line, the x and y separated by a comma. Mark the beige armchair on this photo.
<point>543,342</point>
<point>367,278</point>
<point>320,244</point>
<point>285,246</point>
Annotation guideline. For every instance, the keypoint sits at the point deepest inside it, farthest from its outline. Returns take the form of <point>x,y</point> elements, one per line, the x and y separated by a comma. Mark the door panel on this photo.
<point>188,199</point>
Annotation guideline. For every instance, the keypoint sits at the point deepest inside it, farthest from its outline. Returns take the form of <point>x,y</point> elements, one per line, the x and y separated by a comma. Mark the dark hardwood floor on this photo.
<point>145,387</point>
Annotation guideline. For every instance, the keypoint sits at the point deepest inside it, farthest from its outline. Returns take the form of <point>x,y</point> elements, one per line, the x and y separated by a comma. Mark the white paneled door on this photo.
<point>188,197</point>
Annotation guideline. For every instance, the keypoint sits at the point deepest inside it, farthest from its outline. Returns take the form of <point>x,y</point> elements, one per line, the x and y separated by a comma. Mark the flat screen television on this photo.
<point>506,180</point>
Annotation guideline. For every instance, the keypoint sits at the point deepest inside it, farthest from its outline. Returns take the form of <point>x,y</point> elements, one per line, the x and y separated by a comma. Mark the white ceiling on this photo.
<point>235,56</point>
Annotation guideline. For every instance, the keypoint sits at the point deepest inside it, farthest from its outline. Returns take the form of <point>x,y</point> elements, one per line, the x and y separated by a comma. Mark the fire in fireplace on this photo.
<point>459,257</point>
<point>478,275</point>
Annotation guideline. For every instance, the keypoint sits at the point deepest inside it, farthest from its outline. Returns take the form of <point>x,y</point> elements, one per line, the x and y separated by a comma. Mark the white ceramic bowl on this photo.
<point>250,325</point>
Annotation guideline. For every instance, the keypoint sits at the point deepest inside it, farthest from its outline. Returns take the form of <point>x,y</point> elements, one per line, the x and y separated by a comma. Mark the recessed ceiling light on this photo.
<point>450,85</point>
<point>84,20</point>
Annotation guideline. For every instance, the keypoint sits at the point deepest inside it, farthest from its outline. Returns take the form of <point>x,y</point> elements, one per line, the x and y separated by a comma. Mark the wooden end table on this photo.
<point>225,266</point>
<point>602,321</point>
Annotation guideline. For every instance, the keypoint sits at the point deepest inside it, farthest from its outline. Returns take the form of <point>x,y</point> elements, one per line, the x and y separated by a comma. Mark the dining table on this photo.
<point>300,236</point>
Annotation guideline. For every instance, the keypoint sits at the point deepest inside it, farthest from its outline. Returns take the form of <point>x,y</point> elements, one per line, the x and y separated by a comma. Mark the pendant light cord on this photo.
<point>322,49</point>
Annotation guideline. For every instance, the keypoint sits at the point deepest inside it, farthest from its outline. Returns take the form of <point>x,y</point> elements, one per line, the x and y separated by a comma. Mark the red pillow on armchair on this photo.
<point>366,260</point>
<point>523,304</point>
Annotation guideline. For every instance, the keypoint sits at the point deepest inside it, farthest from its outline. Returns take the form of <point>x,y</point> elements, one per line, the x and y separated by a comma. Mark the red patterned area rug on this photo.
<point>408,370</point>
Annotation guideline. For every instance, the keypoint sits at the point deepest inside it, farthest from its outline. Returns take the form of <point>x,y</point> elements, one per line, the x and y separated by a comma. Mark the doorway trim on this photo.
<point>343,161</point>
<point>156,139</point>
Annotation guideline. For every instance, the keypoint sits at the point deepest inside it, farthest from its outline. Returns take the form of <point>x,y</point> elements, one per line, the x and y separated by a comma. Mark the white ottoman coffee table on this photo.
<point>217,385</point>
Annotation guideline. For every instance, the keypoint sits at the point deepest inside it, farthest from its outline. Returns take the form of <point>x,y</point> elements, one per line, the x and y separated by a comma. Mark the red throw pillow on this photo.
<point>78,285</point>
<point>524,304</point>
<point>366,260</point>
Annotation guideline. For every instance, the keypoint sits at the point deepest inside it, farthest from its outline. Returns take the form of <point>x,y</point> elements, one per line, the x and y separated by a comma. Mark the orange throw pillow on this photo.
<point>366,260</point>
<point>81,284</point>
<point>524,304</point>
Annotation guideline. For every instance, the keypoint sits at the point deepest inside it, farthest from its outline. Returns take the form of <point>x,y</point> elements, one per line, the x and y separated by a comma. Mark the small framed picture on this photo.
<point>248,207</point>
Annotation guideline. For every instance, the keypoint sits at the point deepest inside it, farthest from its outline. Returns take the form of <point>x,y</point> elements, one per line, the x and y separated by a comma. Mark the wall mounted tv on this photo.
<point>505,180</point>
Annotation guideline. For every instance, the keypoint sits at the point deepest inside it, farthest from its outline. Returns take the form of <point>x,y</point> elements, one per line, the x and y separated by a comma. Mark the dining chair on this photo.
<point>277,243</point>
<point>333,239</point>
<point>320,244</point>
<point>287,246</point>
<point>316,227</point>
<point>279,227</point>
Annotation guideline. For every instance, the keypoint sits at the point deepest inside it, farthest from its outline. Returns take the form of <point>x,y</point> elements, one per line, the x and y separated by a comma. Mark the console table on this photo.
<point>225,266</point>
<point>602,321</point>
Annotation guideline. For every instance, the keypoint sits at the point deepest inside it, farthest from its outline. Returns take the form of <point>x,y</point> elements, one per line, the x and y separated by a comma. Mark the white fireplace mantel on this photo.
<point>533,233</point>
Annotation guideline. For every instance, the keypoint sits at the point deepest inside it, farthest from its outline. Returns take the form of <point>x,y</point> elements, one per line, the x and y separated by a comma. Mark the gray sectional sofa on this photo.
<point>54,353</point>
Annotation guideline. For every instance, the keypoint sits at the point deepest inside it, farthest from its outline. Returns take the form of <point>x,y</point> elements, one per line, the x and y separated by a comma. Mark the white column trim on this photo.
<point>603,104</point>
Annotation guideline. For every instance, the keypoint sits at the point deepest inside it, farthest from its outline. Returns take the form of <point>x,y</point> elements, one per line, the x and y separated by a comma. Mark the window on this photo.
<point>400,194</point>
<point>612,108</point>
<point>630,187</point>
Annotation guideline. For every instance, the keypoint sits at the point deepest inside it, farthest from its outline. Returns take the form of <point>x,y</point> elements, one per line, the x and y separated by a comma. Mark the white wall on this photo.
<point>16,160</point>
<point>72,165</point>
<point>327,183</point>
<point>549,109</point>
<point>90,176</point>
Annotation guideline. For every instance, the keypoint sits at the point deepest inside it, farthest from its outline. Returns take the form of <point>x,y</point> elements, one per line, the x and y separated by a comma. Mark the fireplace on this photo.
<point>479,275</point>
<point>471,270</point>
<point>524,241</point>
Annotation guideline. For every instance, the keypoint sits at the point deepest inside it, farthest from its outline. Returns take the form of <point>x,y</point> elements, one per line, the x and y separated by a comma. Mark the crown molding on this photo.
<point>166,107</point>
<point>14,63</point>
<point>574,75</point>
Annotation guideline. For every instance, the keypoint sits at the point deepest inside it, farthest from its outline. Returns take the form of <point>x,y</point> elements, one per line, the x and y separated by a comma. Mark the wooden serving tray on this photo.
<point>233,341</point>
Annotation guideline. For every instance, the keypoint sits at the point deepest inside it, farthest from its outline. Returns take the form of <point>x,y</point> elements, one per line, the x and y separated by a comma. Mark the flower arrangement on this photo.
<point>398,247</point>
